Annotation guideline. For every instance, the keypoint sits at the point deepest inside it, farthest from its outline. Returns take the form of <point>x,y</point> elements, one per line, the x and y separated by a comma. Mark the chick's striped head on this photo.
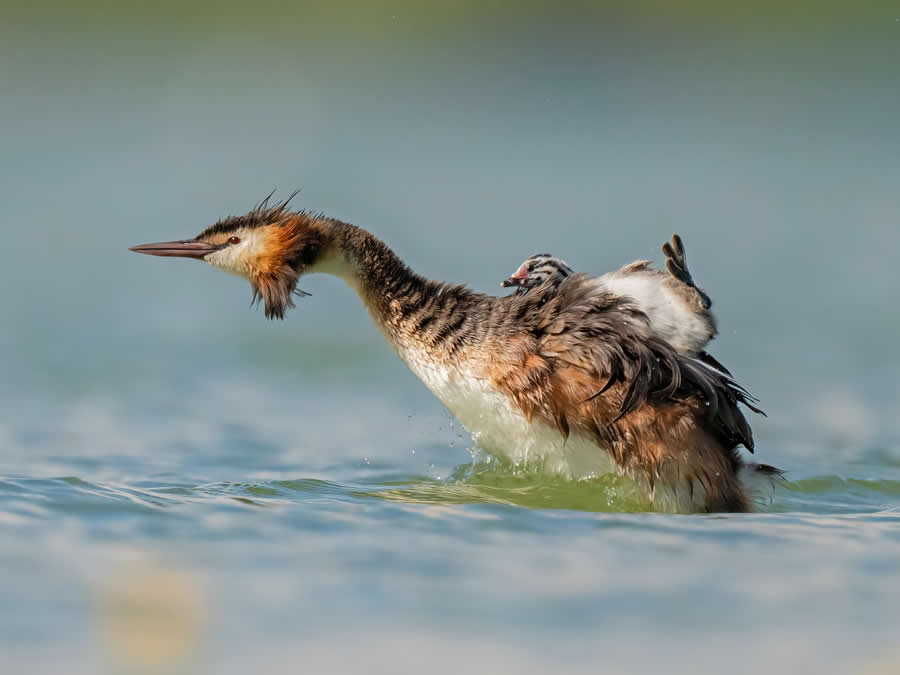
<point>535,270</point>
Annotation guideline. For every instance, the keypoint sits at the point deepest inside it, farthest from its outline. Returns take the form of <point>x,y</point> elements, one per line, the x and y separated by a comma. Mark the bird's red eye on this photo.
<point>234,240</point>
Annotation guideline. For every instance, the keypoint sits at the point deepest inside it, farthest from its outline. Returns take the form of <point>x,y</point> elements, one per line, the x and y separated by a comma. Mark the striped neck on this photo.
<point>415,314</point>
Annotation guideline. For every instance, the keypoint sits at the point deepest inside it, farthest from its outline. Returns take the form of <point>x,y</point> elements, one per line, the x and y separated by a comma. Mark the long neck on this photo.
<point>416,314</point>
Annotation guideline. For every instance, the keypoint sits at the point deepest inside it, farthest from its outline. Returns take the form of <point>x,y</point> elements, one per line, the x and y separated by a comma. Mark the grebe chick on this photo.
<point>535,270</point>
<point>678,309</point>
<point>578,382</point>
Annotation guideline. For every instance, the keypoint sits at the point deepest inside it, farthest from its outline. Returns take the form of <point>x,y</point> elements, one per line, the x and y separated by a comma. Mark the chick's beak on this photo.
<point>177,249</point>
<point>515,280</point>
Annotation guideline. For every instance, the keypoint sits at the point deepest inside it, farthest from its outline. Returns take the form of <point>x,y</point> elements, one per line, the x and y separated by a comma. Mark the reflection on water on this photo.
<point>270,572</point>
<point>491,483</point>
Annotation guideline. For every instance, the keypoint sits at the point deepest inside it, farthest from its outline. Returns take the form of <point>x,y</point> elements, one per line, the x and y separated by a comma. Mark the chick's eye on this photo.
<point>234,240</point>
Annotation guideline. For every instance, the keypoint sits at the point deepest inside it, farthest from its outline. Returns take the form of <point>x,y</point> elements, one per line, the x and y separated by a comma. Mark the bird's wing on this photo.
<point>678,311</point>
<point>676,263</point>
<point>592,356</point>
<point>588,363</point>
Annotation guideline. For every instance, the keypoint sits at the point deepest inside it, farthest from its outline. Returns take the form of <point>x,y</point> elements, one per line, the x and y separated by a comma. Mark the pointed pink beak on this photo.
<point>517,279</point>
<point>177,249</point>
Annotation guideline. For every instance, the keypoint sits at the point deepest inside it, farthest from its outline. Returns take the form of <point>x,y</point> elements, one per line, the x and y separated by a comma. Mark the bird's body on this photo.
<point>678,309</point>
<point>674,309</point>
<point>572,376</point>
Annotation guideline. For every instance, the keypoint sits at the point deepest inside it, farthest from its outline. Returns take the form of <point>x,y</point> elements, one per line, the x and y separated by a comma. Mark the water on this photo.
<point>188,488</point>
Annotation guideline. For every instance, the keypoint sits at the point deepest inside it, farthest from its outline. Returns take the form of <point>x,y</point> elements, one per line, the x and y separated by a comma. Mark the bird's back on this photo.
<point>676,311</point>
<point>585,362</point>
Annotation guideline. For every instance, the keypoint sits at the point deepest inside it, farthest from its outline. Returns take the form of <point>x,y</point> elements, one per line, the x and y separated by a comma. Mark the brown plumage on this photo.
<point>590,364</point>
<point>570,357</point>
<point>688,323</point>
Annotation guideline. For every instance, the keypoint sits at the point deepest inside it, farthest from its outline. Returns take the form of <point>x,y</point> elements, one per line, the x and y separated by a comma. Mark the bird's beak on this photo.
<point>177,249</point>
<point>515,280</point>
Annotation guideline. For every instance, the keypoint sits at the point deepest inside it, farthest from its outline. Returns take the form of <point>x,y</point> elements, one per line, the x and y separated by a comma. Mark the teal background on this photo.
<point>186,487</point>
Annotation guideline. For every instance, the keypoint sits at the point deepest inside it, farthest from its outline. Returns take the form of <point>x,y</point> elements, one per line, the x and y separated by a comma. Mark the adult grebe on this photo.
<point>577,380</point>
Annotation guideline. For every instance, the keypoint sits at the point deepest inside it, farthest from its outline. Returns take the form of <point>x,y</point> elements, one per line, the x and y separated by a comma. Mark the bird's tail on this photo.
<point>760,481</point>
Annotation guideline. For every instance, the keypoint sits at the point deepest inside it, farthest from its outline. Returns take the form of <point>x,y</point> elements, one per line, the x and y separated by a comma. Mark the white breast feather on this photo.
<point>670,317</point>
<point>498,427</point>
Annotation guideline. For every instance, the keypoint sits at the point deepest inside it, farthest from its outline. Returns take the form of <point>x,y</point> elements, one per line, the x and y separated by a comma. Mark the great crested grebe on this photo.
<point>576,380</point>
<point>679,311</point>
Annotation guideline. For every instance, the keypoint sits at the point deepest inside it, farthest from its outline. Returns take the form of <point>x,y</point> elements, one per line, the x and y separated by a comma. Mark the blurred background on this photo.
<point>187,487</point>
